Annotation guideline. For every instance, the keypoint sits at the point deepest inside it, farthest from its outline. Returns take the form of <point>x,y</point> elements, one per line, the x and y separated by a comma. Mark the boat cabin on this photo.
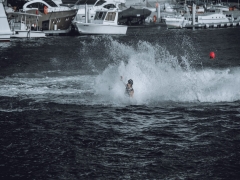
<point>106,17</point>
<point>98,3</point>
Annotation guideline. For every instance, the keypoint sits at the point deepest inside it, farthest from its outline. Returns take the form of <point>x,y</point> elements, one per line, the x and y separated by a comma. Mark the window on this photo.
<point>108,6</point>
<point>100,15</point>
<point>110,16</point>
<point>99,3</point>
<point>51,3</point>
<point>33,5</point>
<point>39,6</point>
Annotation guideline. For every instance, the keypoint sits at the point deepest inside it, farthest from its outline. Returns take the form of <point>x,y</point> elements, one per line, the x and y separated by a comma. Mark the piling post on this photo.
<point>86,13</point>
<point>158,13</point>
<point>193,15</point>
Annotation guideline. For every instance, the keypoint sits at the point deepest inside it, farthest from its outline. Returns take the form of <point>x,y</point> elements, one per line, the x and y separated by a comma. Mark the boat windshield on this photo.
<point>100,15</point>
<point>38,5</point>
<point>99,3</point>
<point>108,6</point>
<point>33,5</point>
<point>51,3</point>
<point>110,16</point>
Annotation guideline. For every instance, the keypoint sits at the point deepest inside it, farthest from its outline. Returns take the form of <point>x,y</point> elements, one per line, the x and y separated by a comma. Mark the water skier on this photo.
<point>129,89</point>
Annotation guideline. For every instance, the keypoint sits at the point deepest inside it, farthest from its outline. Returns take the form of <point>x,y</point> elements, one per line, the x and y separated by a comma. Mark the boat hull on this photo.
<point>89,28</point>
<point>174,22</point>
<point>60,20</point>
<point>213,18</point>
<point>5,37</point>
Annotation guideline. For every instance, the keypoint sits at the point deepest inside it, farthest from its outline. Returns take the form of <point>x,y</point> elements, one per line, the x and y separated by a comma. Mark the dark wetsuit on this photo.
<point>128,91</point>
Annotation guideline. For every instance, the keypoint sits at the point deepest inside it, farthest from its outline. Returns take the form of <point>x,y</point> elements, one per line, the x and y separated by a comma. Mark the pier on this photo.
<point>213,25</point>
<point>57,32</point>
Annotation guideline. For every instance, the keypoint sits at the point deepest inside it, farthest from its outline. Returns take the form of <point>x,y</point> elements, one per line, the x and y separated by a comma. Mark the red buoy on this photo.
<point>212,55</point>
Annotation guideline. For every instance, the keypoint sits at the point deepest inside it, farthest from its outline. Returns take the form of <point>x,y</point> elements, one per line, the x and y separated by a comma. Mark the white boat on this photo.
<point>218,7</point>
<point>23,28</point>
<point>177,21</point>
<point>105,22</point>
<point>215,18</point>
<point>5,31</point>
<point>212,18</point>
<point>92,8</point>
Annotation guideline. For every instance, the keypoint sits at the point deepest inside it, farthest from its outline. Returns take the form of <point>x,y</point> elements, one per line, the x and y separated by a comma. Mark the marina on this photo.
<point>56,18</point>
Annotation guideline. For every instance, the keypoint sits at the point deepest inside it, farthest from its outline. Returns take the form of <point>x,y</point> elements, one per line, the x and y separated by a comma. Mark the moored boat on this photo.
<point>54,18</point>
<point>211,18</point>
<point>213,7</point>
<point>94,6</point>
<point>134,16</point>
<point>105,22</point>
<point>214,19</point>
<point>177,21</point>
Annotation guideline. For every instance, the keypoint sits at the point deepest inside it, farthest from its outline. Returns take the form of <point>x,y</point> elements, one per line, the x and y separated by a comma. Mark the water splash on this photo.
<point>159,76</point>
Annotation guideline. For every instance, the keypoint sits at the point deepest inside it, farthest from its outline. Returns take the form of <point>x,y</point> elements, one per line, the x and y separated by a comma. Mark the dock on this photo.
<point>213,25</point>
<point>57,32</point>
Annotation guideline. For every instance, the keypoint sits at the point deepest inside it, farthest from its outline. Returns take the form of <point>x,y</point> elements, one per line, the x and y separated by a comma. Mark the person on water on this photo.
<point>129,89</point>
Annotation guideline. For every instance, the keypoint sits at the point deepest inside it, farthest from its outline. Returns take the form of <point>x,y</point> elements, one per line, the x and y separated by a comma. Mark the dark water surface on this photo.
<point>63,113</point>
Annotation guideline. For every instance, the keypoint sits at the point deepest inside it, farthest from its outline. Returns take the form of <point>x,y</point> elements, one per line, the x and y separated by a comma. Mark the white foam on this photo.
<point>54,89</point>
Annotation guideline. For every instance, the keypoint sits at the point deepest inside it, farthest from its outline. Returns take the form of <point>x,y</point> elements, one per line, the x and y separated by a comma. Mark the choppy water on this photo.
<point>63,112</point>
